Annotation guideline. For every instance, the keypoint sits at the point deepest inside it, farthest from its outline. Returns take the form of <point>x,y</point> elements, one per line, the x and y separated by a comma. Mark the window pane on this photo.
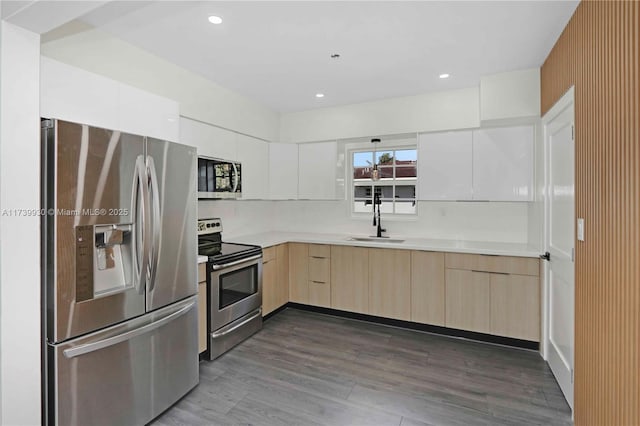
<point>386,206</point>
<point>362,192</point>
<point>406,157</point>
<point>385,172</point>
<point>405,191</point>
<point>362,159</point>
<point>384,158</point>
<point>362,164</point>
<point>404,172</point>
<point>406,206</point>
<point>385,191</point>
<point>362,206</point>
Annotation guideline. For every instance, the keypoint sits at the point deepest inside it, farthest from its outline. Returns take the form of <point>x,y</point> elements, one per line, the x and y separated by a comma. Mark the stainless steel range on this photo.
<point>234,288</point>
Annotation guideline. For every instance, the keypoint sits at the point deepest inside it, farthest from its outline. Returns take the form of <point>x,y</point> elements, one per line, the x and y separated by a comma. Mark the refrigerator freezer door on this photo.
<point>92,234</point>
<point>174,260</point>
<point>126,374</point>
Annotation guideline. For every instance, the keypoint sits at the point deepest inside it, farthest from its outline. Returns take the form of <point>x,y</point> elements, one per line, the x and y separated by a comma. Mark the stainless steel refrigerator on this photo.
<point>119,255</point>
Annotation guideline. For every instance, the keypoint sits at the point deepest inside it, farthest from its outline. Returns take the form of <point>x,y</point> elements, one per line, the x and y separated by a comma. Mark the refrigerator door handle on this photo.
<point>140,185</point>
<point>155,220</point>
<point>236,177</point>
<point>101,344</point>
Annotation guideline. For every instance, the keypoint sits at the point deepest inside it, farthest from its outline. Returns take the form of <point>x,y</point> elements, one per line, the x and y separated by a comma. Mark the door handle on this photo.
<point>546,256</point>
<point>142,228</point>
<point>110,341</point>
<point>155,221</point>
<point>234,327</point>
<point>237,177</point>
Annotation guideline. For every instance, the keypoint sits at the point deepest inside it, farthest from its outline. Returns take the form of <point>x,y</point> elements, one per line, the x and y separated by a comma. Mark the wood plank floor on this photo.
<point>310,369</point>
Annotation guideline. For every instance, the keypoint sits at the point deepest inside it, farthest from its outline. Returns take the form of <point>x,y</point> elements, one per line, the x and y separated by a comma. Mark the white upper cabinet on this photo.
<point>73,94</point>
<point>148,113</point>
<point>445,166</point>
<point>503,164</point>
<point>317,170</point>
<point>283,171</point>
<point>253,155</point>
<point>210,141</point>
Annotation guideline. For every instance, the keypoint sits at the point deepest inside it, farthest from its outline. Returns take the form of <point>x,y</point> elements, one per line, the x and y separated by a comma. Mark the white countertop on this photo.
<point>202,259</point>
<point>268,239</point>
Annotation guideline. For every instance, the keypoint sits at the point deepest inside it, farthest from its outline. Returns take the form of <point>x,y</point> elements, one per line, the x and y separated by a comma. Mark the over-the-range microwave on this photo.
<point>219,178</point>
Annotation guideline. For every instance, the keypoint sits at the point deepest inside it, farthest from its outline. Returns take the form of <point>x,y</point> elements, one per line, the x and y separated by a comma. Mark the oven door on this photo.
<point>235,289</point>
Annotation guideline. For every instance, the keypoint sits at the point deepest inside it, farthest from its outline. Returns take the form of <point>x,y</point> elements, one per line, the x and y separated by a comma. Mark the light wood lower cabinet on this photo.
<point>350,279</point>
<point>498,295</point>
<point>299,273</point>
<point>319,275</point>
<point>427,287</point>
<point>269,280</point>
<point>468,300</point>
<point>282,275</point>
<point>390,283</point>
<point>275,278</point>
<point>202,307</point>
<point>515,307</point>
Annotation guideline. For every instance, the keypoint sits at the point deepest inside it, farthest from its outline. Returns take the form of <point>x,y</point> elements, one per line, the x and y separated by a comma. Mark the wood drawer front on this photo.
<point>498,264</point>
<point>320,294</point>
<point>319,250</point>
<point>319,269</point>
<point>202,272</point>
<point>268,254</point>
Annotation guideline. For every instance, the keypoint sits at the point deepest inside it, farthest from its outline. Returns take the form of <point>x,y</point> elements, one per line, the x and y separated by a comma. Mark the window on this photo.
<point>396,187</point>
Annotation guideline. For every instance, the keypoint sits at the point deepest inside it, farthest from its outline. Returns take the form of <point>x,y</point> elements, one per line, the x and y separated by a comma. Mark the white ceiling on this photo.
<point>278,53</point>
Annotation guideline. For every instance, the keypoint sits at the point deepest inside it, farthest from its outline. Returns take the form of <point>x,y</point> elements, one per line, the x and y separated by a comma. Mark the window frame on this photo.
<point>405,143</point>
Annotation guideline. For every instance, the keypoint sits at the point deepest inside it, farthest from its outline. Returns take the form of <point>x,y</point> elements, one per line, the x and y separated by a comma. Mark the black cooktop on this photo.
<point>227,252</point>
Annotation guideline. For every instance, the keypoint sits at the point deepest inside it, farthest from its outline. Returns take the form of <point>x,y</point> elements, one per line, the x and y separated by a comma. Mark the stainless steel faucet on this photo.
<point>377,202</point>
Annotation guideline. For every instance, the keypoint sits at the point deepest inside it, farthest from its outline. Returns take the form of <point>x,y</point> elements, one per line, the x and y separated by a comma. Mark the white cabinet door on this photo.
<point>72,94</point>
<point>211,141</point>
<point>503,164</point>
<point>445,166</point>
<point>148,114</point>
<point>283,171</point>
<point>317,170</point>
<point>253,155</point>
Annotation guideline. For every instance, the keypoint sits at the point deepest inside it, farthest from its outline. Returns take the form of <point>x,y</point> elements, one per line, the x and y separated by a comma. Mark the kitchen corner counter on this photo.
<point>268,239</point>
<point>202,259</point>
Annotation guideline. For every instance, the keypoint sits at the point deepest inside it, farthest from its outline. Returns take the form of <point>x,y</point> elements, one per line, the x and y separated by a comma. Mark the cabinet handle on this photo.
<point>266,261</point>
<point>317,257</point>
<point>490,272</point>
<point>318,282</point>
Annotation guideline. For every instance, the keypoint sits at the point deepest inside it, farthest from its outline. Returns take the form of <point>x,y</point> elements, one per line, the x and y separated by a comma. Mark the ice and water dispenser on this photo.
<point>104,260</point>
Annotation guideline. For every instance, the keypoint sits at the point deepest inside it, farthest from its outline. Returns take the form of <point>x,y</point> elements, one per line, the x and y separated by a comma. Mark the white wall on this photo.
<point>239,217</point>
<point>19,235</point>
<point>200,99</point>
<point>471,221</point>
<point>454,109</point>
<point>510,95</point>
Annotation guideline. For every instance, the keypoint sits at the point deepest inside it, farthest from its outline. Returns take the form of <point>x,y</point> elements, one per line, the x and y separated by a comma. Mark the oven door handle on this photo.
<point>226,330</point>
<point>237,262</point>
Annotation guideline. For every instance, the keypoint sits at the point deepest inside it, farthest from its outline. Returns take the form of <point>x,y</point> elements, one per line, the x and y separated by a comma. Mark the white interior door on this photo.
<point>559,240</point>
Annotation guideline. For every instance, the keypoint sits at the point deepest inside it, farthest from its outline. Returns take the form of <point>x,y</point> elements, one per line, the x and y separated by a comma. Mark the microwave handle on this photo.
<point>237,177</point>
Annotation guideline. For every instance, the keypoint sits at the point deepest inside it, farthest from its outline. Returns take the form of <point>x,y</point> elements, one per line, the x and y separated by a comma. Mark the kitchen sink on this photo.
<point>376,239</point>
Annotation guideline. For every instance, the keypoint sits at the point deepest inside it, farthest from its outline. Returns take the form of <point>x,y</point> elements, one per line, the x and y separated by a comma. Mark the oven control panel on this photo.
<point>209,226</point>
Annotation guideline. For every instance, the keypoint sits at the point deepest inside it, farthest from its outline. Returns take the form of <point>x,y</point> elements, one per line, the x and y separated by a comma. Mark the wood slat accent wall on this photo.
<point>598,52</point>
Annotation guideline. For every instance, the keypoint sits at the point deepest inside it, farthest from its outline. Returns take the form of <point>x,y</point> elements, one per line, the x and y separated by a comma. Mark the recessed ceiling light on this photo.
<point>215,19</point>
<point>445,75</point>
<point>319,95</point>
